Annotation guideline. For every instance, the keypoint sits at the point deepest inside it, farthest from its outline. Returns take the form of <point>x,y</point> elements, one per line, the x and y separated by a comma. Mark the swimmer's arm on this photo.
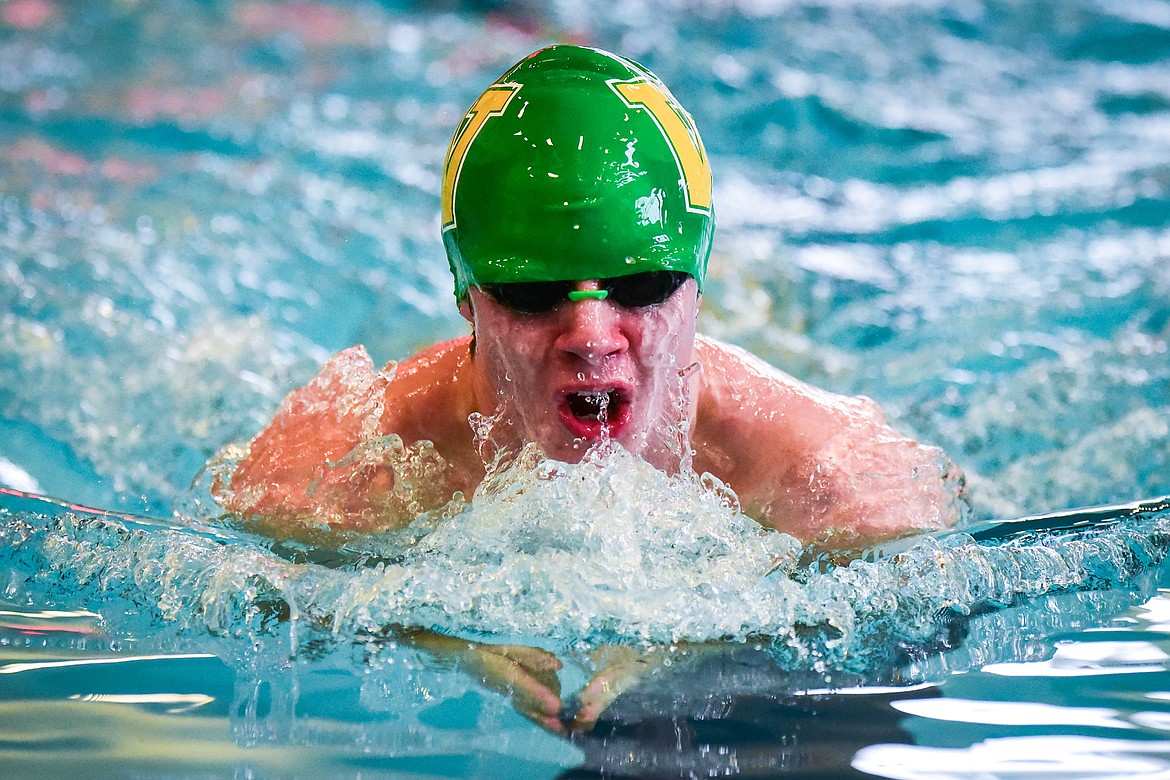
<point>867,484</point>
<point>826,468</point>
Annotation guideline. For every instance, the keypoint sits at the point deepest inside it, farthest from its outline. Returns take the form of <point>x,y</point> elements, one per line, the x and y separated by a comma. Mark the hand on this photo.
<point>621,667</point>
<point>528,675</point>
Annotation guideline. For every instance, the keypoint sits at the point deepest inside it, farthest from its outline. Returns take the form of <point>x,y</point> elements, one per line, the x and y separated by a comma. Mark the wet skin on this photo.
<point>587,370</point>
<point>823,467</point>
<point>566,379</point>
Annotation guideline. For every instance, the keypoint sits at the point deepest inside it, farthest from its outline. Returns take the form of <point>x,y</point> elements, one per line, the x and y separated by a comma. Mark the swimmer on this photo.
<point>577,219</point>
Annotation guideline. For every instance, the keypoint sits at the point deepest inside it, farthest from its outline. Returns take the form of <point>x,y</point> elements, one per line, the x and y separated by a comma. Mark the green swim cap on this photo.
<point>575,164</point>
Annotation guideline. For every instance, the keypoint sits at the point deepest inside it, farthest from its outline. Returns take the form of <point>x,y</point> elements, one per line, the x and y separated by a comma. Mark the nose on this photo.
<point>592,329</point>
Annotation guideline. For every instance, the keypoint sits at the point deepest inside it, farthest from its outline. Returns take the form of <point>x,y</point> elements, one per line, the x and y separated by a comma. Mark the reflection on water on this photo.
<point>1059,756</point>
<point>958,208</point>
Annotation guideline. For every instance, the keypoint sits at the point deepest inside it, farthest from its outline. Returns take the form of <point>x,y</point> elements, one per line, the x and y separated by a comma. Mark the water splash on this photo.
<point>557,555</point>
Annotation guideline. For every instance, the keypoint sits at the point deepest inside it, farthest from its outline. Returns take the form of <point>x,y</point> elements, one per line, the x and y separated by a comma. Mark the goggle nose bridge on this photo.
<point>580,295</point>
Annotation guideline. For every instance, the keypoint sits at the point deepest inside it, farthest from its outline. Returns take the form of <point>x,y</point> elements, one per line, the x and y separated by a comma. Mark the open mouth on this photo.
<point>592,414</point>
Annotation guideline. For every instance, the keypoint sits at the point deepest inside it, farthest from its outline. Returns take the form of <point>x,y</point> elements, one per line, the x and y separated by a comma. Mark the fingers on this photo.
<point>608,684</point>
<point>532,658</point>
<point>527,675</point>
<point>622,668</point>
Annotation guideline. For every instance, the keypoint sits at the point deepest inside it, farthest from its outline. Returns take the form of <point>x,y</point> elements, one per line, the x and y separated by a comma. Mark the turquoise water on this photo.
<point>960,209</point>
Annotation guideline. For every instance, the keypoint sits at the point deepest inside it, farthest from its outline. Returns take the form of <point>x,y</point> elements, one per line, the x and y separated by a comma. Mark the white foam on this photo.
<point>14,476</point>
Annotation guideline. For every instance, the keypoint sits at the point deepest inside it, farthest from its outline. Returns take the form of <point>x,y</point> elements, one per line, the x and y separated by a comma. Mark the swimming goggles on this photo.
<point>635,291</point>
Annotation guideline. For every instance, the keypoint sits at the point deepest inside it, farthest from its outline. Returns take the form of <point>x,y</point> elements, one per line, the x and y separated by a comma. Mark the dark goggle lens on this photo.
<point>529,297</point>
<point>631,292</point>
<point>645,289</point>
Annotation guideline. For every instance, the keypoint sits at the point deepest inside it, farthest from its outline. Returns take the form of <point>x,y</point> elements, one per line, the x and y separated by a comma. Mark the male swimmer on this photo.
<point>577,220</point>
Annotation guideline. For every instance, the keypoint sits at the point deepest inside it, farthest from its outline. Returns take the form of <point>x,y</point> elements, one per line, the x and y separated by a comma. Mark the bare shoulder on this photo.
<point>429,395</point>
<point>432,381</point>
<point>441,358</point>
<point>825,467</point>
<point>321,459</point>
<point>739,385</point>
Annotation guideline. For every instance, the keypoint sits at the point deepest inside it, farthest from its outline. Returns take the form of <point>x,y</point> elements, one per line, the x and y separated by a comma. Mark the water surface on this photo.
<point>956,208</point>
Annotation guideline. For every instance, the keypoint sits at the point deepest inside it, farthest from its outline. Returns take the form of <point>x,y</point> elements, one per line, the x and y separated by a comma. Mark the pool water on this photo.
<point>960,209</point>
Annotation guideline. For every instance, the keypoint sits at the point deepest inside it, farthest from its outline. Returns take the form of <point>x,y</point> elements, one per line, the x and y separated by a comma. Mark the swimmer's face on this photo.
<point>586,370</point>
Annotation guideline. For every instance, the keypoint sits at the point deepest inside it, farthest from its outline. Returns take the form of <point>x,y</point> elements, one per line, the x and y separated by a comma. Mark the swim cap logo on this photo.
<point>493,102</point>
<point>681,136</point>
<point>672,120</point>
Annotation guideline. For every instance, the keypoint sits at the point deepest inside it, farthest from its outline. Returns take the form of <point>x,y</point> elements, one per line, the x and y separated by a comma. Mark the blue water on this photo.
<point>960,209</point>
